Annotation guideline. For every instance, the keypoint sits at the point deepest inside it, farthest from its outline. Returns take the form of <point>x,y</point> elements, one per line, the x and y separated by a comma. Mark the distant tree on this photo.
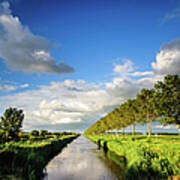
<point>43,133</point>
<point>34,133</point>
<point>11,123</point>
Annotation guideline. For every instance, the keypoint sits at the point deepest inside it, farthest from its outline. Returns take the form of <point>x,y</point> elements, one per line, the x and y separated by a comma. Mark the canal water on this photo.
<point>81,160</point>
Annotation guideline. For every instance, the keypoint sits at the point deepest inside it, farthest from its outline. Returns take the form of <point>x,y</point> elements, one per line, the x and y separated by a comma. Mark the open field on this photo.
<point>144,158</point>
<point>27,158</point>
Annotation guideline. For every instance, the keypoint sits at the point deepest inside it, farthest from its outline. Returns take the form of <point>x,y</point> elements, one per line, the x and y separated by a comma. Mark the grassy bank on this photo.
<point>27,158</point>
<point>145,158</point>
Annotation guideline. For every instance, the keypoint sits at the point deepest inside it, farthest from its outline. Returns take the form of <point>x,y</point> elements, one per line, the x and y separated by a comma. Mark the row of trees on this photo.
<point>162,103</point>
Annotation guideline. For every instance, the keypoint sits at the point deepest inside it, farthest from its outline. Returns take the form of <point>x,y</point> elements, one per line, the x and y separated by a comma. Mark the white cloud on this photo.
<point>24,85</point>
<point>148,82</point>
<point>124,88</point>
<point>168,59</point>
<point>7,88</point>
<point>124,68</point>
<point>171,126</point>
<point>61,103</point>
<point>146,73</point>
<point>75,104</point>
<point>22,50</point>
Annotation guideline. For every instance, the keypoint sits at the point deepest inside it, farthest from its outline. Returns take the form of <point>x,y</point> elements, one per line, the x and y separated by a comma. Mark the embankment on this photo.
<point>28,160</point>
<point>144,158</point>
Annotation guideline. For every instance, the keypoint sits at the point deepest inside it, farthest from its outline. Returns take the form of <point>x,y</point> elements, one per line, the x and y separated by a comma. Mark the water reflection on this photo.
<point>81,160</point>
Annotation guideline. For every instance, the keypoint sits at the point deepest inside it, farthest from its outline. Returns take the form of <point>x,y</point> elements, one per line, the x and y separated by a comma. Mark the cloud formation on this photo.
<point>22,50</point>
<point>168,59</point>
<point>146,73</point>
<point>72,105</point>
<point>69,104</point>
<point>125,68</point>
<point>5,88</point>
<point>24,85</point>
<point>75,105</point>
<point>122,88</point>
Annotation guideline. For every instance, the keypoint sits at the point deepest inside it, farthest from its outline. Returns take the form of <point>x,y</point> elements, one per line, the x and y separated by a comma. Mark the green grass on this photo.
<point>155,157</point>
<point>26,159</point>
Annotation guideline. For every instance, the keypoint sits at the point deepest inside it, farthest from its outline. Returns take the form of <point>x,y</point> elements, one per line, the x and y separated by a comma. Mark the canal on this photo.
<point>81,160</point>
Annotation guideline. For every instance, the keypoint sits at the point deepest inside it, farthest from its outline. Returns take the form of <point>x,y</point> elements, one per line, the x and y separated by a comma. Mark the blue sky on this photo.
<point>107,49</point>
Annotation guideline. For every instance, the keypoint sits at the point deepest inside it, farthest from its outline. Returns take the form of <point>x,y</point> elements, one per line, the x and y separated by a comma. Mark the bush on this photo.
<point>43,133</point>
<point>34,133</point>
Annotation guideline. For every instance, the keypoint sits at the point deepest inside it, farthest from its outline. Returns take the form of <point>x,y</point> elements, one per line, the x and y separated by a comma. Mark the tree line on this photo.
<point>161,103</point>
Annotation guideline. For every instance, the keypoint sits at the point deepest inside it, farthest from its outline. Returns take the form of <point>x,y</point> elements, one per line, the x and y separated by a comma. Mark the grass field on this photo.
<point>27,158</point>
<point>145,158</point>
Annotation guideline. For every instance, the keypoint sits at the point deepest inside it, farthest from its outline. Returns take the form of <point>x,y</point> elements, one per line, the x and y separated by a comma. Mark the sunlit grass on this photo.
<point>157,157</point>
<point>27,158</point>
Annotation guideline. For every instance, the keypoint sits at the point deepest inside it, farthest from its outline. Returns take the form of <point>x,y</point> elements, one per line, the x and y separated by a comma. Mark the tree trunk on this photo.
<point>179,128</point>
<point>133,129</point>
<point>123,131</point>
<point>149,128</point>
<point>149,125</point>
<point>117,132</point>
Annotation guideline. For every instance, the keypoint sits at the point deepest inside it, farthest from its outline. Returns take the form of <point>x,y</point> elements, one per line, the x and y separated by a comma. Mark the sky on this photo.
<point>69,63</point>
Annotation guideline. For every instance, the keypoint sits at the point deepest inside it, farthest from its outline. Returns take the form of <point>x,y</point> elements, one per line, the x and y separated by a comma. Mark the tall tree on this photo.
<point>124,121</point>
<point>147,107</point>
<point>168,97</point>
<point>11,123</point>
<point>132,113</point>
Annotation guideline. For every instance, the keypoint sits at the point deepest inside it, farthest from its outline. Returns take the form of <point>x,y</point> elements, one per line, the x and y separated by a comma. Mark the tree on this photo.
<point>43,133</point>
<point>168,97</point>
<point>147,106</point>
<point>122,117</point>
<point>34,133</point>
<point>132,113</point>
<point>11,123</point>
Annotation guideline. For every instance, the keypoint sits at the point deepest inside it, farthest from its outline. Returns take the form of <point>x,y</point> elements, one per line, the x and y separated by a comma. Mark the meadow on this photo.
<point>143,157</point>
<point>27,157</point>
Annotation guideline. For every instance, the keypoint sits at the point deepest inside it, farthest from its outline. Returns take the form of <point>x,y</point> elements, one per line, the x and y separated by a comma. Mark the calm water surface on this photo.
<point>81,160</point>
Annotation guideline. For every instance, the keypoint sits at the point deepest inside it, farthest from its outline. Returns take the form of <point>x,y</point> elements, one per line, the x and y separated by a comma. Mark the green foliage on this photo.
<point>43,133</point>
<point>11,123</point>
<point>147,107</point>
<point>155,158</point>
<point>28,158</point>
<point>34,133</point>
<point>168,96</point>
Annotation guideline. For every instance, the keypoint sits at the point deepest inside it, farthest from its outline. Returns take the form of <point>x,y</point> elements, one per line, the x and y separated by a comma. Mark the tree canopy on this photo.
<point>11,123</point>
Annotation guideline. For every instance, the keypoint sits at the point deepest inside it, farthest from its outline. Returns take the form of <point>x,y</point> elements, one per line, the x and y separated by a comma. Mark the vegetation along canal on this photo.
<point>81,160</point>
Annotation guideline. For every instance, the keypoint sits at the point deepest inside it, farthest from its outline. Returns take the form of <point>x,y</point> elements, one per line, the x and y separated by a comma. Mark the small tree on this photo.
<point>43,133</point>
<point>34,133</point>
<point>11,123</point>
